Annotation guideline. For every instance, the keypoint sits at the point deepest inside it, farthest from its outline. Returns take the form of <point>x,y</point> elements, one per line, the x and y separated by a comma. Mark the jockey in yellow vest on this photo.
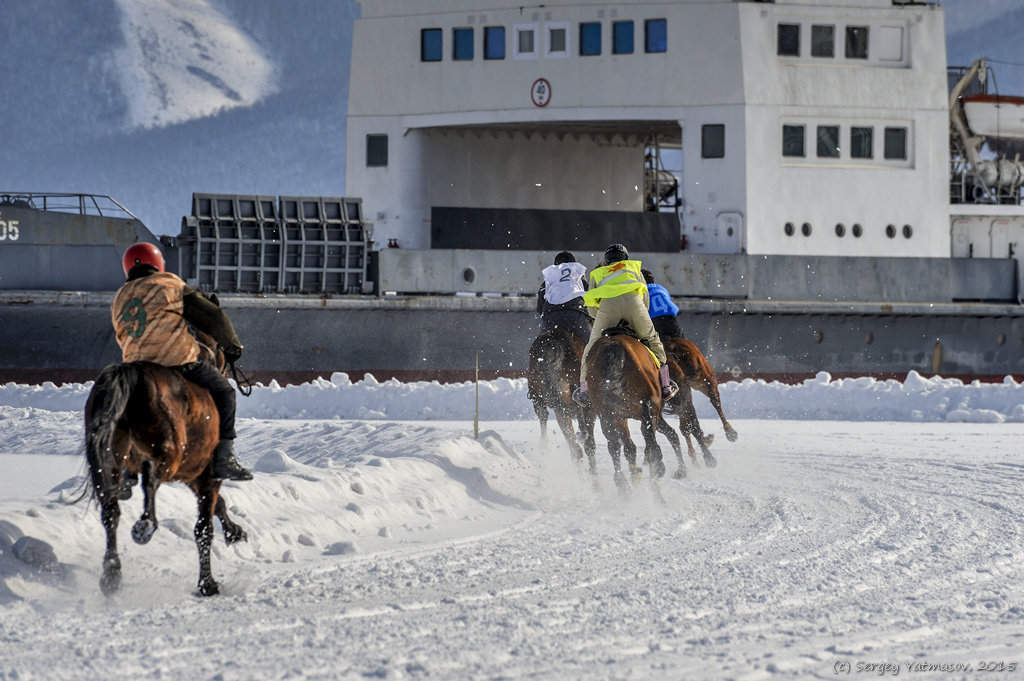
<point>618,292</point>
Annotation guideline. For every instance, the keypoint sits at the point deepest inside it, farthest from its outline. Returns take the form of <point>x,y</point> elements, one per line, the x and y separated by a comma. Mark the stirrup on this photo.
<point>580,397</point>
<point>669,391</point>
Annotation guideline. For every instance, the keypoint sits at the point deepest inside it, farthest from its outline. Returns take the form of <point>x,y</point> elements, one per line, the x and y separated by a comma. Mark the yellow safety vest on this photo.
<point>614,280</point>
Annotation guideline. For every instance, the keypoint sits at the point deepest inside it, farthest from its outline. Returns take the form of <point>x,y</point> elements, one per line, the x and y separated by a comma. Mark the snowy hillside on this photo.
<point>151,100</point>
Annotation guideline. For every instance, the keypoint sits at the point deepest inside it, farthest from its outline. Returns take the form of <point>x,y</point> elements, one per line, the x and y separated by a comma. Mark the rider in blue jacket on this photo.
<point>662,310</point>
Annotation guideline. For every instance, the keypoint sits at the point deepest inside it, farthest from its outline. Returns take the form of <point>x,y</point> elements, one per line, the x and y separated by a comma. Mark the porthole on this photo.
<point>789,229</point>
<point>908,231</point>
<point>468,275</point>
<point>818,336</point>
<point>869,338</point>
<point>806,229</point>
<point>1001,339</point>
<point>890,231</point>
<point>856,230</point>
<point>840,230</point>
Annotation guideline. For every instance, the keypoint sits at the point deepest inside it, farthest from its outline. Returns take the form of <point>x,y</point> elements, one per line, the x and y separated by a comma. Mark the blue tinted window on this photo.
<point>462,44</point>
<point>494,42</point>
<point>590,39</point>
<point>622,37</point>
<point>431,44</point>
<point>655,35</point>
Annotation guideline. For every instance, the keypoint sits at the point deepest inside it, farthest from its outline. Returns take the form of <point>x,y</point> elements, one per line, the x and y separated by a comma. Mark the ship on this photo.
<point>811,182</point>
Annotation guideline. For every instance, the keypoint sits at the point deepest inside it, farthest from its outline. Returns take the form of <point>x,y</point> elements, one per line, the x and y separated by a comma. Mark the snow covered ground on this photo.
<point>854,524</point>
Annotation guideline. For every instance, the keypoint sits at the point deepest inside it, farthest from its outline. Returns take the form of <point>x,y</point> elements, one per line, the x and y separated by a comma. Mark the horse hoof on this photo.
<point>208,587</point>
<point>708,439</point>
<point>679,474</point>
<point>236,535</point>
<point>143,530</point>
<point>710,461</point>
<point>731,435</point>
<point>657,470</point>
<point>110,582</point>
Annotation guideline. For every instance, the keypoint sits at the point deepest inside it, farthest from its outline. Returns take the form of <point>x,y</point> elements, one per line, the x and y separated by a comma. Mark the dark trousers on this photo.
<point>206,376</point>
<point>571,319</point>
<point>667,326</point>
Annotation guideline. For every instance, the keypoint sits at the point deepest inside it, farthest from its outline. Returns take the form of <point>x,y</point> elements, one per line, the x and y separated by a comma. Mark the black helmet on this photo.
<point>564,256</point>
<point>615,253</point>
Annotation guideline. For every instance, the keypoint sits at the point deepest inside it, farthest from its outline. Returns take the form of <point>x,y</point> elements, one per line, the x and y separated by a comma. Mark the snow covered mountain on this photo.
<point>151,100</point>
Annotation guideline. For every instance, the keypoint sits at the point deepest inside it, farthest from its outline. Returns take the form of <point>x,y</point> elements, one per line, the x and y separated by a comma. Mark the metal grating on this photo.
<point>262,244</point>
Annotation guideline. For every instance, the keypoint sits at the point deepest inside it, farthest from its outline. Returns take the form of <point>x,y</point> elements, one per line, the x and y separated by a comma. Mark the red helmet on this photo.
<point>142,253</point>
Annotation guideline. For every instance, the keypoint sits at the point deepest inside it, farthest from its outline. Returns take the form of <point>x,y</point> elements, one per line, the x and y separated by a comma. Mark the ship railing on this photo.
<point>74,204</point>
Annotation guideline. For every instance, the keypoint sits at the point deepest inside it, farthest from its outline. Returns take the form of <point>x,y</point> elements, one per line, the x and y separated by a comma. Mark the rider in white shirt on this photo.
<point>560,298</point>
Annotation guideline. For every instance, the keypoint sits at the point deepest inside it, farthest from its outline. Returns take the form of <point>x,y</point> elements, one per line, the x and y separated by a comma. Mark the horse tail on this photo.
<point>106,405</point>
<point>611,368</point>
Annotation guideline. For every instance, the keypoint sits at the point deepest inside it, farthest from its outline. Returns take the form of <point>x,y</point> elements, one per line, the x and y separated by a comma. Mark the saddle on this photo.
<point>624,329</point>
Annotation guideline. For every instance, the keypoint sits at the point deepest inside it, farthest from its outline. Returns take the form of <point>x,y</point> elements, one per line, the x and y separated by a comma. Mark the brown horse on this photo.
<point>622,377</point>
<point>143,418</point>
<point>691,370</point>
<point>554,370</point>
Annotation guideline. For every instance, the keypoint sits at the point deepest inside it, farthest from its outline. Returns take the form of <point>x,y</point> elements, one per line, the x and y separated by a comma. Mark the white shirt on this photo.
<point>563,282</point>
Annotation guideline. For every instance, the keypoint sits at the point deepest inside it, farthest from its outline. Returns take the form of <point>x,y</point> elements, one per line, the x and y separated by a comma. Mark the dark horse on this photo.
<point>554,370</point>
<point>691,370</point>
<point>622,376</point>
<point>143,418</point>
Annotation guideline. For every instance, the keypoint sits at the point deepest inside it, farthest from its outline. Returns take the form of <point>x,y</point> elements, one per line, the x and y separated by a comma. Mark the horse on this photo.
<point>554,369</point>
<point>623,384</point>
<point>144,418</point>
<point>691,370</point>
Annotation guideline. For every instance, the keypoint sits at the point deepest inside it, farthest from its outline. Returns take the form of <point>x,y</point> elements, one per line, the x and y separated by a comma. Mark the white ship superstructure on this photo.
<point>794,127</point>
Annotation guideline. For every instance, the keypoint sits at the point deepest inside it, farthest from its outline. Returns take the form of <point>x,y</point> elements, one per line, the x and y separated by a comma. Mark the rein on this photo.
<point>243,382</point>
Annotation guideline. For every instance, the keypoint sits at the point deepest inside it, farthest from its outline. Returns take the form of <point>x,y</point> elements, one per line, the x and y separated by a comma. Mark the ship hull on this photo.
<point>68,337</point>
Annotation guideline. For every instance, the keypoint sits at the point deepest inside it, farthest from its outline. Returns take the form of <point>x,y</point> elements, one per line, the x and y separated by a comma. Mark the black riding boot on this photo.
<point>224,465</point>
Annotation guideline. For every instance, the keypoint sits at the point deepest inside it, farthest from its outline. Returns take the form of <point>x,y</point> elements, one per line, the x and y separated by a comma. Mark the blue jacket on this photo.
<point>661,302</point>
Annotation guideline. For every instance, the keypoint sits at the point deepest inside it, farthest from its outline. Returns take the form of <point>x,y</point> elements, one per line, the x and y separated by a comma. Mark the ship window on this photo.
<point>558,40</point>
<point>823,41</point>
<point>908,231</point>
<point>840,230</point>
<point>856,42</point>
<point>462,44</point>
<point>857,230</point>
<point>860,142</point>
<point>890,231</point>
<point>828,141</point>
<point>525,43</point>
<point>789,229</point>
<point>494,42</point>
<point>622,37</point>
<point>712,141</point>
<point>792,140</point>
<point>376,151</point>
<point>431,44</point>
<point>590,39</point>
<point>805,229</point>
<point>656,35</point>
<point>896,144</point>
<point>788,44</point>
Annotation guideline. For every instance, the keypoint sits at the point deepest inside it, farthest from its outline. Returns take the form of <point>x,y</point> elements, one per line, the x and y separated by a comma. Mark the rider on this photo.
<point>619,293</point>
<point>152,312</point>
<point>662,310</point>
<point>560,298</point>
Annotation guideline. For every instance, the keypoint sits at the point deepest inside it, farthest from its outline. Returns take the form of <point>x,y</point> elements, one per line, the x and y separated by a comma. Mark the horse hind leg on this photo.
<point>652,450</point>
<point>145,526</point>
<point>204,539</point>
